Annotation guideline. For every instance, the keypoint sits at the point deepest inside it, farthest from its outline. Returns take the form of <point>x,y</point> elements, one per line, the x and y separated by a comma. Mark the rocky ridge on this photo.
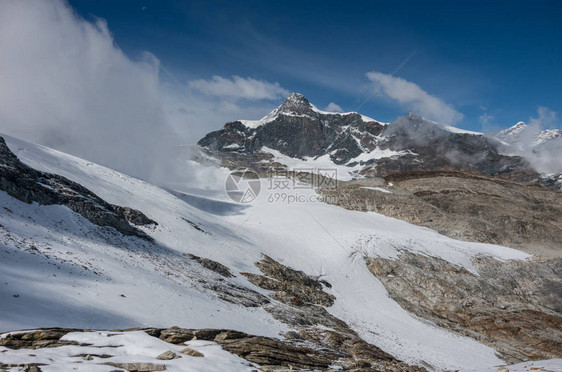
<point>356,144</point>
<point>29,185</point>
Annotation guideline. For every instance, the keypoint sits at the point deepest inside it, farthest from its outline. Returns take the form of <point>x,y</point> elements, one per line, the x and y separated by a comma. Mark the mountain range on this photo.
<point>437,250</point>
<point>298,135</point>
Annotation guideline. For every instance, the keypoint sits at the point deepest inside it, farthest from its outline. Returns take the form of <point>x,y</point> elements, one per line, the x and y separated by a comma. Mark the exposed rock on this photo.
<point>168,355</point>
<point>465,206</point>
<point>177,335</point>
<point>195,226</point>
<point>302,300</point>
<point>138,367</point>
<point>291,287</point>
<point>37,339</point>
<point>91,356</point>
<point>302,295</point>
<point>237,294</point>
<point>212,265</point>
<point>514,306</point>
<point>309,349</point>
<point>266,351</point>
<point>191,352</point>
<point>305,316</point>
<point>134,216</point>
<point>32,369</point>
<point>29,367</point>
<point>29,185</point>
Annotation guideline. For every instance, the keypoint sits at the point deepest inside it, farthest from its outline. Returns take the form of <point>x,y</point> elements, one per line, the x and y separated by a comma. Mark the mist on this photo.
<point>65,84</point>
<point>543,154</point>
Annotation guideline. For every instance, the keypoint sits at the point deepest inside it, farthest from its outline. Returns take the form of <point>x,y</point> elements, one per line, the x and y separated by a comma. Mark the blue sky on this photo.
<point>115,73</point>
<point>499,59</point>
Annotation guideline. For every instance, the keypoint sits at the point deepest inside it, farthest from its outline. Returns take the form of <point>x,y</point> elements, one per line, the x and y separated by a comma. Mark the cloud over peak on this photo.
<point>333,107</point>
<point>239,88</point>
<point>412,97</point>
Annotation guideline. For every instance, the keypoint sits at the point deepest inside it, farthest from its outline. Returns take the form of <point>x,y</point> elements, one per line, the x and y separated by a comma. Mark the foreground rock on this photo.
<point>261,352</point>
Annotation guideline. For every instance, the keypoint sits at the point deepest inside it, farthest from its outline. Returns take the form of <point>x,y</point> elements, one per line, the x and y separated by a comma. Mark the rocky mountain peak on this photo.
<point>295,103</point>
<point>413,116</point>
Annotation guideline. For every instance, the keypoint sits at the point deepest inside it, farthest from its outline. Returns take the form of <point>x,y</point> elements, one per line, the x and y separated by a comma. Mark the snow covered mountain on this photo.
<point>522,134</point>
<point>296,275</point>
<point>298,135</point>
<point>542,148</point>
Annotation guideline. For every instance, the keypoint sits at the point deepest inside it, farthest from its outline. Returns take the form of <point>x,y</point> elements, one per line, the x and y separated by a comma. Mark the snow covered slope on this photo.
<point>66,271</point>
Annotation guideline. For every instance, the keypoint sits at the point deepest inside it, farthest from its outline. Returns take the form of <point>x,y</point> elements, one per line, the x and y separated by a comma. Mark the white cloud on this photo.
<point>547,118</point>
<point>414,98</point>
<point>543,156</point>
<point>485,119</point>
<point>65,84</point>
<point>239,88</point>
<point>333,107</point>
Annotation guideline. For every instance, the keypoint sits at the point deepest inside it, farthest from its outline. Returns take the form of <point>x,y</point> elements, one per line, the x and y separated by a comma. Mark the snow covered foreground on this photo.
<point>95,279</point>
<point>126,347</point>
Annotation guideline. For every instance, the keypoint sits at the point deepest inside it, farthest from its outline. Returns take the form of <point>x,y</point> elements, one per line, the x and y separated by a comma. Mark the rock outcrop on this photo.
<point>303,306</point>
<point>296,353</point>
<point>514,306</point>
<point>29,185</point>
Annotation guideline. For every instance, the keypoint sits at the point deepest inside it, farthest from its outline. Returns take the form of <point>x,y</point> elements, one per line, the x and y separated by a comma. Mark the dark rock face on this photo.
<point>438,148</point>
<point>290,286</point>
<point>134,216</point>
<point>29,185</point>
<point>212,265</point>
<point>299,130</point>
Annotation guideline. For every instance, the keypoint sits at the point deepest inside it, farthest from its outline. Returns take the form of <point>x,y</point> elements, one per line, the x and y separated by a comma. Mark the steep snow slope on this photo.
<point>162,289</point>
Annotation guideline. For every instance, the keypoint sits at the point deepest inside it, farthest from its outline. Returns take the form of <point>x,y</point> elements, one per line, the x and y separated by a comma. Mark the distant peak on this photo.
<point>514,130</point>
<point>295,97</point>
<point>414,116</point>
<point>295,102</point>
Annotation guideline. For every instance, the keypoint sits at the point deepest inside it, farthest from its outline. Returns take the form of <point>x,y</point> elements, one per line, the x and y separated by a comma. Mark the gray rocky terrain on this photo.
<point>515,307</point>
<point>464,206</point>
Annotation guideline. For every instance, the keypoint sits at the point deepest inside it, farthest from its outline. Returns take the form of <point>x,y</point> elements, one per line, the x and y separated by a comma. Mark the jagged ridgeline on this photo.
<point>299,134</point>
